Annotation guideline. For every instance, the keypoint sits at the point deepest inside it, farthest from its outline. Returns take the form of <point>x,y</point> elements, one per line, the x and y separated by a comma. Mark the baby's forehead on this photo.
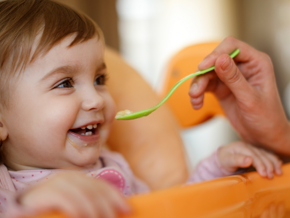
<point>65,43</point>
<point>65,48</point>
<point>67,58</point>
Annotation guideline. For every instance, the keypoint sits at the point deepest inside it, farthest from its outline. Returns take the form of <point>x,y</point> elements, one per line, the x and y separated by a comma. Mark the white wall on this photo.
<point>151,31</point>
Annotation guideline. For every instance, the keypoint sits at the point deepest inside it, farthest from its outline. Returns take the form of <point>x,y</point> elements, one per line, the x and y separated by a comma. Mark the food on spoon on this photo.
<point>123,113</point>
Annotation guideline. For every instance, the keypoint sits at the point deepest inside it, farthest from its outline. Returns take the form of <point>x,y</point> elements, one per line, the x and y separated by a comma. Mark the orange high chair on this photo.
<point>182,64</point>
<point>240,196</point>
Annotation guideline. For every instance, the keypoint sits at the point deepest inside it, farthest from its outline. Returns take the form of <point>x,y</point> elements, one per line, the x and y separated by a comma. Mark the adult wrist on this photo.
<point>281,144</point>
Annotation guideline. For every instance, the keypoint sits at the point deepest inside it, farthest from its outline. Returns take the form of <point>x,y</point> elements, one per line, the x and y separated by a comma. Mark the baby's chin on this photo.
<point>84,158</point>
<point>80,164</point>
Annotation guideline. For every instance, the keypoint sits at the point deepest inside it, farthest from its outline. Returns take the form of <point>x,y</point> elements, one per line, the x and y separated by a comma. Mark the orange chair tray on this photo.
<point>243,196</point>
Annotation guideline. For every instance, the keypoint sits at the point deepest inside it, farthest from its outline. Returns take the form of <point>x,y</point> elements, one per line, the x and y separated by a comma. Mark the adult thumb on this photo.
<point>230,75</point>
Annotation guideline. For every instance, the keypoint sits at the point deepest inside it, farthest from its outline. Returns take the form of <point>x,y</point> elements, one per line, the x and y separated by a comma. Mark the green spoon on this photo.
<point>129,115</point>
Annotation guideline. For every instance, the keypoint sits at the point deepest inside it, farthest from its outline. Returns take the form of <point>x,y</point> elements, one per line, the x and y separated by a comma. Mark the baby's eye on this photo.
<point>101,80</point>
<point>66,83</point>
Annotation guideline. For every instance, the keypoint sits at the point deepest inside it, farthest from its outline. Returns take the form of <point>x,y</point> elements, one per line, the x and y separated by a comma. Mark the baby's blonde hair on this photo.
<point>22,21</point>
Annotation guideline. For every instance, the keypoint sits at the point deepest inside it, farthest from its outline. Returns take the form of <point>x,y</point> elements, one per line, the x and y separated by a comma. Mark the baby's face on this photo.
<point>60,111</point>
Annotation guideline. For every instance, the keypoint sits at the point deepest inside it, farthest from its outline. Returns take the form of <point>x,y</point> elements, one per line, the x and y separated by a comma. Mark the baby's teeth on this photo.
<point>95,126</point>
<point>83,128</point>
<point>89,133</point>
<point>89,126</point>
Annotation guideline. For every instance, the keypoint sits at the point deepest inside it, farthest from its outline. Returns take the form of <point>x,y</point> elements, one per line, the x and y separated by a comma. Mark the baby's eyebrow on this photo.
<point>102,67</point>
<point>62,69</point>
<point>69,70</point>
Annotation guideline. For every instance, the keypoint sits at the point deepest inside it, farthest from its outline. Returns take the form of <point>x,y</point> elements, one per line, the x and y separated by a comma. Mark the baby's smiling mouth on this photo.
<point>86,130</point>
<point>86,135</point>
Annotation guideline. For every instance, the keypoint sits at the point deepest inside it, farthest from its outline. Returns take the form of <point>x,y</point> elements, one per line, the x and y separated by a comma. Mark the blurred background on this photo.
<point>148,32</point>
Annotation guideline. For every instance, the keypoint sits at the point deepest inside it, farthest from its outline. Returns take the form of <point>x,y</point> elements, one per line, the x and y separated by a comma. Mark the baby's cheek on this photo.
<point>110,111</point>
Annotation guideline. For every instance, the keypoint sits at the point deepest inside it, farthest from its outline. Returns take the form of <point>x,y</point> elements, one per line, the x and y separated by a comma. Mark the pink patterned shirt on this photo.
<point>111,167</point>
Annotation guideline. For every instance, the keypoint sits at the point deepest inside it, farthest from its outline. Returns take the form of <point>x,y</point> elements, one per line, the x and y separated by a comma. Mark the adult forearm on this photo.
<point>281,142</point>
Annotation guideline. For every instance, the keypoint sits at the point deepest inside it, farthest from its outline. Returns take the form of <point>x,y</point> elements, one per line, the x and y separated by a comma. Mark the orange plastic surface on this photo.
<point>242,196</point>
<point>182,64</point>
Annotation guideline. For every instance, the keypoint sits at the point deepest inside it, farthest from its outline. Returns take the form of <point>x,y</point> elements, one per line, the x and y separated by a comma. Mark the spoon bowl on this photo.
<point>129,115</point>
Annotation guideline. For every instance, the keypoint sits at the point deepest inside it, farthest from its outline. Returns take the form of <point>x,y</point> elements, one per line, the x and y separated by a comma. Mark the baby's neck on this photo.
<point>16,167</point>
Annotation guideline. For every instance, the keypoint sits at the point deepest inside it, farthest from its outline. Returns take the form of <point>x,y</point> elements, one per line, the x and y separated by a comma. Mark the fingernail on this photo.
<point>227,64</point>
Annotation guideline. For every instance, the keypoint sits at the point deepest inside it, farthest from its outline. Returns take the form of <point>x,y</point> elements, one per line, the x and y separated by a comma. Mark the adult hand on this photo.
<point>246,89</point>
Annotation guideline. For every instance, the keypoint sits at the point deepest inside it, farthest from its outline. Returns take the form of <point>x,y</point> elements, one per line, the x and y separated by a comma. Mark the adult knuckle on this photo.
<point>266,59</point>
<point>265,56</point>
<point>230,39</point>
<point>234,77</point>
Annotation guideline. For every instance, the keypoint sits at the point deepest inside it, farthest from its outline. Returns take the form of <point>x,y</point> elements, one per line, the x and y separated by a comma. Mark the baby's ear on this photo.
<point>3,130</point>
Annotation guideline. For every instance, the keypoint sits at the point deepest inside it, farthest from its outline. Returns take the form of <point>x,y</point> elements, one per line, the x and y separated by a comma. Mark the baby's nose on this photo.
<point>92,100</point>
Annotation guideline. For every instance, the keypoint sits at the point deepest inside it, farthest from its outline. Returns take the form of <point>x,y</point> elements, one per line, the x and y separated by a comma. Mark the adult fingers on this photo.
<point>198,87</point>
<point>227,70</point>
<point>228,45</point>
<point>201,83</point>
<point>197,102</point>
<point>230,75</point>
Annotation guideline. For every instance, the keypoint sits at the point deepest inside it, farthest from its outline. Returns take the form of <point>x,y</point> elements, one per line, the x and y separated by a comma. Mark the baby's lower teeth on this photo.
<point>89,133</point>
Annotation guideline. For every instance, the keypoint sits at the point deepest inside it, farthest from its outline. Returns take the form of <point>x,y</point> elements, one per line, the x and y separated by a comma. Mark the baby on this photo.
<point>56,114</point>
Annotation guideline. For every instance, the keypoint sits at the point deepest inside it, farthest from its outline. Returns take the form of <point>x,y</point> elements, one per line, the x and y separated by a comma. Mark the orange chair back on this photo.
<point>182,64</point>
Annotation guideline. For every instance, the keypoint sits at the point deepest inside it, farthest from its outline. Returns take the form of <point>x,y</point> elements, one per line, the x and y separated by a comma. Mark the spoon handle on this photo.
<point>232,55</point>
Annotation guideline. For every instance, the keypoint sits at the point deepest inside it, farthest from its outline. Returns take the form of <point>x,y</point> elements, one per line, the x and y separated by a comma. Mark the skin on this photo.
<point>36,125</point>
<point>242,155</point>
<point>38,121</point>
<point>246,89</point>
<point>76,196</point>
